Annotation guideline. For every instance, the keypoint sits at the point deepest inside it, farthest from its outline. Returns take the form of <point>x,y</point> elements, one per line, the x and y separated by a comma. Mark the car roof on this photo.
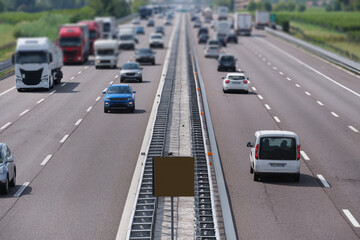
<point>119,85</point>
<point>276,133</point>
<point>235,74</point>
<point>156,34</point>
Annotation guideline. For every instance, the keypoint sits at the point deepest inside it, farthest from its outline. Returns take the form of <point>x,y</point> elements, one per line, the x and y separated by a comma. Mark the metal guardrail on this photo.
<point>229,225</point>
<point>5,65</point>
<point>333,57</point>
<point>143,220</point>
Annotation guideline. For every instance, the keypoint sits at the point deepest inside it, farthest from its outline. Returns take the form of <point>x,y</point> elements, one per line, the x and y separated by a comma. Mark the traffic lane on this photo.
<point>93,170</point>
<point>235,161</point>
<point>336,98</point>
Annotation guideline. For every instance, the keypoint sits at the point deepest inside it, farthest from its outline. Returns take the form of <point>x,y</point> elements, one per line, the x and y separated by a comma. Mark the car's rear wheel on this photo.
<point>106,110</point>
<point>5,188</point>
<point>297,177</point>
<point>256,177</point>
<point>122,79</point>
<point>13,181</point>
<point>251,169</point>
<point>153,62</point>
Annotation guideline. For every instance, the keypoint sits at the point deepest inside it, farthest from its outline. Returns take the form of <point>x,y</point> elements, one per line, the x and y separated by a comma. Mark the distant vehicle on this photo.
<point>156,40</point>
<point>74,42</point>
<point>106,53</point>
<point>222,13</point>
<point>160,29</point>
<point>7,169</point>
<point>214,42</point>
<point>140,30</point>
<point>194,18</point>
<point>232,38</point>
<point>203,30</point>
<point>221,39</point>
<point>207,20</point>
<point>243,23</point>
<point>262,19</point>
<point>227,62</point>
<point>222,28</point>
<point>203,38</point>
<point>94,32</point>
<point>275,152</point>
<point>197,24</point>
<point>235,82</point>
<point>150,23</point>
<point>37,62</point>
<point>143,12</point>
<point>108,26</point>
<point>119,97</point>
<point>127,37</point>
<point>167,22</point>
<point>131,71</point>
<point>135,21</point>
<point>208,14</point>
<point>213,24</point>
<point>144,55</point>
<point>212,51</point>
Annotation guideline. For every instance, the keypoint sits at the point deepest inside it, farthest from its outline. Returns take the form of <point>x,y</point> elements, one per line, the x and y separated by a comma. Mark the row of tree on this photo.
<point>280,6</point>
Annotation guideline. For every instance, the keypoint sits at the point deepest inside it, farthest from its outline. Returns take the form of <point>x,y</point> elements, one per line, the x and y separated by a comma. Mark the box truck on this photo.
<point>243,23</point>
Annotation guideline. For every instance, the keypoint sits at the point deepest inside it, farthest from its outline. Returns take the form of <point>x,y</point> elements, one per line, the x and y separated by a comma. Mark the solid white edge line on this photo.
<point>267,106</point>
<point>97,99</point>
<point>78,122</point>
<point>24,112</point>
<point>307,93</point>
<point>64,138</point>
<point>5,126</point>
<point>21,189</point>
<point>43,163</point>
<point>52,92</point>
<point>320,103</point>
<point>134,186</point>
<point>304,155</point>
<point>40,101</point>
<point>351,218</point>
<point>354,129</point>
<point>334,114</point>
<point>311,68</point>
<point>89,109</point>
<point>323,180</point>
<point>63,84</point>
<point>7,91</point>
<point>261,97</point>
<point>253,88</point>
<point>276,119</point>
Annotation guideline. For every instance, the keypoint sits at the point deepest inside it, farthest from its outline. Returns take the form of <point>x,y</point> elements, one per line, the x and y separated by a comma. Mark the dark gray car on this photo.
<point>145,55</point>
<point>7,169</point>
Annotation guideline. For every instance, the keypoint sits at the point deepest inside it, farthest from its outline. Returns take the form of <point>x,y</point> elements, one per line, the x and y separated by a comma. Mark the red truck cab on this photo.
<point>74,42</point>
<point>94,33</point>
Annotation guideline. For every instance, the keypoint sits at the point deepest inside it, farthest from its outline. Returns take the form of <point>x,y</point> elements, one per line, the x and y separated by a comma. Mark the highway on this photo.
<point>78,162</point>
<point>296,91</point>
<point>80,192</point>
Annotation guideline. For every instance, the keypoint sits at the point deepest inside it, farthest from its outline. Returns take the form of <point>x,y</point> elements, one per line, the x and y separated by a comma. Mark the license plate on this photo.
<point>277,164</point>
<point>235,82</point>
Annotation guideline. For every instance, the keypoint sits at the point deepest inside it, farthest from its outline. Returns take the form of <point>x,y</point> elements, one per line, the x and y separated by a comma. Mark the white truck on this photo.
<point>262,19</point>
<point>207,13</point>
<point>222,28</point>
<point>222,13</point>
<point>243,23</point>
<point>38,63</point>
<point>106,53</point>
<point>108,26</point>
<point>127,37</point>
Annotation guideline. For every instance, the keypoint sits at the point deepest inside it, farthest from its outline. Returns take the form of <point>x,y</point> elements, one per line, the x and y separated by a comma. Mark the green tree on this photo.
<point>328,8</point>
<point>267,6</point>
<point>136,4</point>
<point>301,7</point>
<point>98,7</point>
<point>2,6</point>
<point>251,6</point>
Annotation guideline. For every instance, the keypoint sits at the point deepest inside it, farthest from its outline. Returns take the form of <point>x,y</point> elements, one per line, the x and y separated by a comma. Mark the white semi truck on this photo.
<point>262,19</point>
<point>222,28</point>
<point>127,37</point>
<point>243,23</point>
<point>106,53</point>
<point>108,26</point>
<point>38,63</point>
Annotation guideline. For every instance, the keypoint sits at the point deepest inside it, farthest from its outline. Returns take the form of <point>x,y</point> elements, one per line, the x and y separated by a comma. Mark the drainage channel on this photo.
<point>143,222</point>
<point>205,215</point>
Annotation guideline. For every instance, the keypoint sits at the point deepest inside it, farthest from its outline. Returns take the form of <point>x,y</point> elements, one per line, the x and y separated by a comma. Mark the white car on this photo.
<point>235,82</point>
<point>136,21</point>
<point>212,51</point>
<point>275,152</point>
<point>156,40</point>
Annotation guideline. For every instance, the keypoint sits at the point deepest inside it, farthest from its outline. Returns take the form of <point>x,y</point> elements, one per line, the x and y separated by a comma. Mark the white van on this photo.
<point>275,152</point>
<point>106,53</point>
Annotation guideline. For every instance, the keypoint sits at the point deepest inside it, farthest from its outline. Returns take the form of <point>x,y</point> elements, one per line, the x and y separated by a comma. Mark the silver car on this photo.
<point>7,169</point>
<point>131,71</point>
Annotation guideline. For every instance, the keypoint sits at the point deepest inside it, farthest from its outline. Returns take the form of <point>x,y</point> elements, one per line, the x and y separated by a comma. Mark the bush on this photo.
<point>353,36</point>
<point>84,13</point>
<point>285,26</point>
<point>16,17</point>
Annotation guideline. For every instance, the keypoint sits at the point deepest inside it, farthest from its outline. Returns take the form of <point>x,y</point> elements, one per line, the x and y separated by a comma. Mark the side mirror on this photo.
<point>104,92</point>
<point>13,59</point>
<point>134,91</point>
<point>249,144</point>
<point>223,78</point>
<point>10,159</point>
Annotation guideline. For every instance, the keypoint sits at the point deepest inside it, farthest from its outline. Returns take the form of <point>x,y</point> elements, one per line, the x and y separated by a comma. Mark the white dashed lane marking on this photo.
<point>79,72</point>
<point>334,114</point>
<point>354,129</point>
<point>276,119</point>
<point>116,76</point>
<point>111,82</point>
<point>43,163</point>
<point>21,189</point>
<point>63,84</point>
<point>64,138</point>
<point>269,63</point>
<point>267,107</point>
<point>7,91</point>
<point>89,109</point>
<point>260,97</point>
<point>275,68</point>
<point>351,218</point>
<point>320,103</point>
<point>78,122</point>
<point>297,85</point>
<point>97,99</point>
<point>52,92</point>
<point>253,88</point>
<point>72,78</point>
<point>289,79</point>
<point>307,93</point>
<point>40,101</point>
<point>5,126</point>
<point>323,181</point>
<point>24,112</point>
<point>281,73</point>
<point>303,154</point>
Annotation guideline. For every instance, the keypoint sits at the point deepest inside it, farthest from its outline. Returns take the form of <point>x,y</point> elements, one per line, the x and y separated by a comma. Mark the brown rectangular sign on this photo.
<point>173,176</point>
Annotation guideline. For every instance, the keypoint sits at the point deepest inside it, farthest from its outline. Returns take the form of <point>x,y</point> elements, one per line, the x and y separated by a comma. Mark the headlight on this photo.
<point>139,72</point>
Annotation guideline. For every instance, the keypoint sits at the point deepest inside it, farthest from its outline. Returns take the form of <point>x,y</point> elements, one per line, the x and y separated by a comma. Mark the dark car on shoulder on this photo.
<point>203,38</point>
<point>227,62</point>
<point>232,38</point>
<point>145,55</point>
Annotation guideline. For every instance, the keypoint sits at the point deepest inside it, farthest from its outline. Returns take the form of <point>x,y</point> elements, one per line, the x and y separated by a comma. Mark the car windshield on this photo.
<point>145,51</point>
<point>227,58</point>
<point>128,66</point>
<point>70,42</point>
<point>105,52</point>
<point>118,89</point>
<point>140,29</point>
<point>213,47</point>
<point>126,37</point>
<point>31,57</point>
<point>106,27</point>
<point>213,42</point>
<point>156,37</point>
<point>278,148</point>
<point>159,29</point>
<point>236,77</point>
<point>92,34</point>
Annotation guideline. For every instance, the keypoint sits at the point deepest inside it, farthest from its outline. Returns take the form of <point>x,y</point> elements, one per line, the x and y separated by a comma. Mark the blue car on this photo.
<point>140,30</point>
<point>119,97</point>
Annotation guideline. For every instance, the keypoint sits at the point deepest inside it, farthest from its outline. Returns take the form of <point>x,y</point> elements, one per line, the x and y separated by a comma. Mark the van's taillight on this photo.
<point>227,81</point>
<point>244,81</point>
<point>257,151</point>
<point>298,152</point>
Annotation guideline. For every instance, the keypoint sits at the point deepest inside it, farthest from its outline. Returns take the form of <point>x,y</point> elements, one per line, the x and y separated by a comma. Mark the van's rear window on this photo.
<point>277,148</point>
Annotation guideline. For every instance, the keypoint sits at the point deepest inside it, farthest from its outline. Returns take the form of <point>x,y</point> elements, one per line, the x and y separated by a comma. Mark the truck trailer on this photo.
<point>262,19</point>
<point>243,23</point>
<point>108,26</point>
